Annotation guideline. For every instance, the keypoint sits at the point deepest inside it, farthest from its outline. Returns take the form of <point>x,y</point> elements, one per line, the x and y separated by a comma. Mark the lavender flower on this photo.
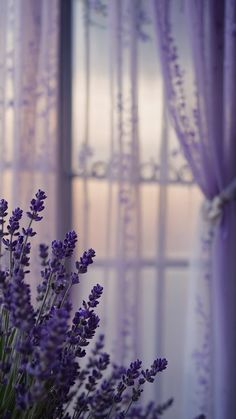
<point>85,260</point>
<point>9,244</point>
<point>3,208</point>
<point>52,335</point>
<point>157,366</point>
<point>132,373</point>
<point>103,361</point>
<point>3,214</point>
<point>14,224</point>
<point>60,281</point>
<point>99,345</point>
<point>69,243</point>
<point>37,206</point>
<point>96,293</point>
<point>40,370</point>
<point>28,232</point>
<point>160,364</point>
<point>22,251</point>
<point>66,377</point>
<point>17,301</point>
<point>74,278</point>
<point>43,253</point>
<point>57,256</point>
<point>58,250</point>
<point>3,276</point>
<point>42,287</point>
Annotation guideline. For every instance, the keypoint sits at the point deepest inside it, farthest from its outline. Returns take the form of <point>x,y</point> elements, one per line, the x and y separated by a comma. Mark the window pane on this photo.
<point>183,207</point>
<point>174,338</point>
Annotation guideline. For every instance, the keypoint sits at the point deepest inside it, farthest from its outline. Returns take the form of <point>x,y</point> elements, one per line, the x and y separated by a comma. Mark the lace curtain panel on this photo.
<point>202,108</point>
<point>29,104</point>
<point>134,199</point>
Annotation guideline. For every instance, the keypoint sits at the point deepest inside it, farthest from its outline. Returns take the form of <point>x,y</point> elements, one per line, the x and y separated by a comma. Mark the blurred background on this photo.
<point>92,104</point>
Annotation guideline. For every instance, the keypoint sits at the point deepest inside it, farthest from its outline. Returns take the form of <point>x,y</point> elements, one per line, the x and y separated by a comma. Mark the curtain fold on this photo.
<point>125,151</point>
<point>205,126</point>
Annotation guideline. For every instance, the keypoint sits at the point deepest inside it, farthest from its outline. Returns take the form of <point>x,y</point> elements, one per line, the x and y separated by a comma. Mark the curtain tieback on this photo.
<point>213,208</point>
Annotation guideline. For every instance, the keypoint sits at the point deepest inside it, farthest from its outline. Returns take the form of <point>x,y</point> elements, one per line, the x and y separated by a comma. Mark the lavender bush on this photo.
<point>41,375</point>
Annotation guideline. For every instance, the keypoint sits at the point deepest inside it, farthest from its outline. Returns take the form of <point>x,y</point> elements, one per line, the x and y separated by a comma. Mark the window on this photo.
<point>134,199</point>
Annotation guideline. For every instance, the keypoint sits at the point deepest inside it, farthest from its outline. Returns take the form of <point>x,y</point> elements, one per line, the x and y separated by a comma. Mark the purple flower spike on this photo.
<point>41,348</point>
<point>17,302</point>
<point>3,214</point>
<point>43,253</point>
<point>28,232</point>
<point>103,361</point>
<point>89,330</point>
<point>37,205</point>
<point>3,208</point>
<point>136,394</point>
<point>96,293</point>
<point>21,251</point>
<point>74,278</point>
<point>14,224</point>
<point>58,250</point>
<point>85,260</point>
<point>69,243</point>
<point>159,365</point>
<point>132,373</point>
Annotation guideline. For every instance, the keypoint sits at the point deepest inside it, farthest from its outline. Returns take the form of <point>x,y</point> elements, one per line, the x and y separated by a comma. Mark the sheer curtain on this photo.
<point>29,104</point>
<point>134,200</point>
<point>205,124</point>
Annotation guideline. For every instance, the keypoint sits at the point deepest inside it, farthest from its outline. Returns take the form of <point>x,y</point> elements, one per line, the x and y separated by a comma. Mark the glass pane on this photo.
<point>174,338</point>
<point>91,209</point>
<point>149,203</point>
<point>183,208</point>
<point>101,228</point>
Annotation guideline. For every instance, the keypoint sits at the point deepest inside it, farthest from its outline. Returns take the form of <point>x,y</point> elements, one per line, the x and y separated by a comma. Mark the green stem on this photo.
<point>128,407</point>
<point>9,342</point>
<point>110,411</point>
<point>11,261</point>
<point>6,318</point>
<point>33,412</point>
<point>65,295</point>
<point>8,393</point>
<point>45,298</point>
<point>25,242</point>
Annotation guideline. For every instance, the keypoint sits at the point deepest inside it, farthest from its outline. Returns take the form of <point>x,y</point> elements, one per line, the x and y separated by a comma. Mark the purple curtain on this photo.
<point>29,103</point>
<point>205,124</point>
<point>29,32</point>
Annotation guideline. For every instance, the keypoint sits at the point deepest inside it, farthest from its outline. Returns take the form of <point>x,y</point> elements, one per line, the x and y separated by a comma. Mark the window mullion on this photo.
<point>64,185</point>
